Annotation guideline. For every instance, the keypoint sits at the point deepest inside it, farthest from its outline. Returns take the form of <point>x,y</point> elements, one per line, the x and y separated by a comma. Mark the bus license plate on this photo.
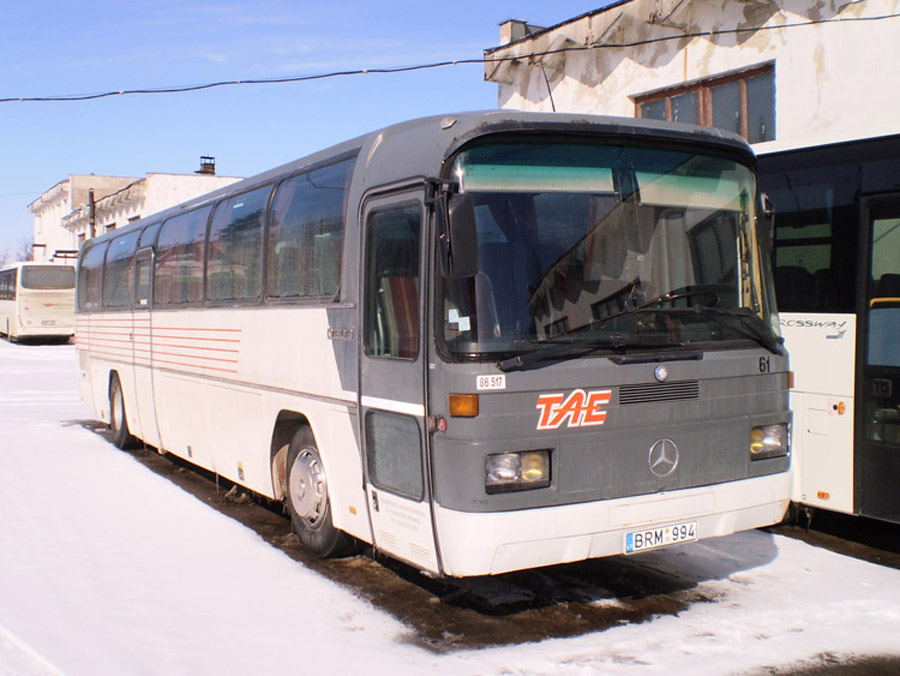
<point>48,322</point>
<point>651,538</point>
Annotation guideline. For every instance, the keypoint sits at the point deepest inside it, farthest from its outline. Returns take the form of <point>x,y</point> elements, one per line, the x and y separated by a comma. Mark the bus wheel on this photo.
<point>118,423</point>
<point>307,499</point>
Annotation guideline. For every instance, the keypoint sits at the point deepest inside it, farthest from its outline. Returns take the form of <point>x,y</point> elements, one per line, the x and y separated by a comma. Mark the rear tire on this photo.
<point>118,421</point>
<point>306,494</point>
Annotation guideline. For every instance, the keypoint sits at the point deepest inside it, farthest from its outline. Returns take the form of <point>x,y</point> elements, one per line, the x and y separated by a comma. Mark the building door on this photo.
<point>392,378</point>
<point>877,464</point>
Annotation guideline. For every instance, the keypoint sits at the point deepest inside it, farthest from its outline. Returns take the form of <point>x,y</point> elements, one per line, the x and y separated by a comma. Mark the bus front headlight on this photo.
<point>769,441</point>
<point>516,471</point>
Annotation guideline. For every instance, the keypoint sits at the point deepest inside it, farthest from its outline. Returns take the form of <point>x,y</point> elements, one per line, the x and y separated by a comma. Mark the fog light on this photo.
<point>769,441</point>
<point>516,471</point>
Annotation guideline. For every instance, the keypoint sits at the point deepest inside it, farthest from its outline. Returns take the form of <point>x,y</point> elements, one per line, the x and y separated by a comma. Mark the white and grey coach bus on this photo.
<point>37,300</point>
<point>480,343</point>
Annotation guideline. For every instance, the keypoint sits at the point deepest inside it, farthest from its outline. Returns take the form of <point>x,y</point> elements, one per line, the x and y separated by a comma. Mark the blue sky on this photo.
<point>61,47</point>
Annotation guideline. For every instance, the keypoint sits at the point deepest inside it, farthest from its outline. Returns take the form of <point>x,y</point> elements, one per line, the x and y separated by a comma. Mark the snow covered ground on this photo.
<point>108,568</point>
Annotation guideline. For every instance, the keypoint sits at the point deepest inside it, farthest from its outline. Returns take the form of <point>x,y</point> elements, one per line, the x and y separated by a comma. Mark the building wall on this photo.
<point>62,216</point>
<point>141,198</point>
<point>48,211</point>
<point>58,202</point>
<point>166,190</point>
<point>832,71</point>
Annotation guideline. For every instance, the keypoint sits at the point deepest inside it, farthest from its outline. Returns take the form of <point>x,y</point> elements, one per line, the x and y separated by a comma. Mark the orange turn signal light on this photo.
<point>464,405</point>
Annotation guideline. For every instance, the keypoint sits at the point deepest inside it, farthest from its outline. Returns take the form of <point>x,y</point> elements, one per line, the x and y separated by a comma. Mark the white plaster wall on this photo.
<point>148,196</point>
<point>48,231</point>
<point>829,76</point>
<point>166,190</point>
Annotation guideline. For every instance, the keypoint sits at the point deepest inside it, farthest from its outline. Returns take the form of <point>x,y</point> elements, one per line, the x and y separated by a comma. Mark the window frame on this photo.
<point>370,349</point>
<point>213,220</point>
<point>270,276</point>
<point>161,258</point>
<point>703,89</point>
<point>118,269</point>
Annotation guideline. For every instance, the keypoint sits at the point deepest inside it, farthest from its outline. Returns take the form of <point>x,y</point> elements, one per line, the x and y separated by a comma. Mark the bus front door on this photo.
<point>392,379</point>
<point>877,466</point>
<point>142,355</point>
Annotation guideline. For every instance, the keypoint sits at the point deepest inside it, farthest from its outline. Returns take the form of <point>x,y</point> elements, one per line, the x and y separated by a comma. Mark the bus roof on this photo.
<point>420,147</point>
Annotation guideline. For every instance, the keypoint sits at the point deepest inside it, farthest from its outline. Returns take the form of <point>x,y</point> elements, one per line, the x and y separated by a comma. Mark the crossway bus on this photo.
<point>479,343</point>
<point>837,275</point>
<point>37,300</point>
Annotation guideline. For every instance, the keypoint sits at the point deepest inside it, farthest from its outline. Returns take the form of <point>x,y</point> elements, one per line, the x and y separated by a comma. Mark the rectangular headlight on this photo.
<point>516,471</point>
<point>769,441</point>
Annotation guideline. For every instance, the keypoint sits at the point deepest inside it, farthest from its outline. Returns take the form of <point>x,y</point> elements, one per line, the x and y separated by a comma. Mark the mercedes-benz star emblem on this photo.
<point>661,373</point>
<point>663,458</point>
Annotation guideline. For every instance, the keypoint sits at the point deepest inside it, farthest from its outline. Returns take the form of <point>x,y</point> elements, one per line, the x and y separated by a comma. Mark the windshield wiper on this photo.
<point>615,343</point>
<point>753,327</point>
<point>558,349</point>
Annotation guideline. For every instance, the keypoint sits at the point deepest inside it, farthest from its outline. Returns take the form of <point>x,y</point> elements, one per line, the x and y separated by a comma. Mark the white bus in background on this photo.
<point>837,276</point>
<point>37,300</point>
<point>480,343</point>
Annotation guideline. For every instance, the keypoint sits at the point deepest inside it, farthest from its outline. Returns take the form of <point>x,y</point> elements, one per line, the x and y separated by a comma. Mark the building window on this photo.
<point>743,103</point>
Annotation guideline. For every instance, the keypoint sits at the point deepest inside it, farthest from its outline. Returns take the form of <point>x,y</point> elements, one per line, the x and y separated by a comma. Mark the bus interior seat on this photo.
<point>888,286</point>
<point>794,287</point>
<point>396,288</point>
<point>826,289</point>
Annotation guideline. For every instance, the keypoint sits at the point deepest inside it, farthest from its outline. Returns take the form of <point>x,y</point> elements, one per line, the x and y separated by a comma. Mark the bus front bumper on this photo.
<point>489,543</point>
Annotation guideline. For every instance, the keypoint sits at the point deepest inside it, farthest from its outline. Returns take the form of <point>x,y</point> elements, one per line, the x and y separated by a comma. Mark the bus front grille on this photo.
<point>652,392</point>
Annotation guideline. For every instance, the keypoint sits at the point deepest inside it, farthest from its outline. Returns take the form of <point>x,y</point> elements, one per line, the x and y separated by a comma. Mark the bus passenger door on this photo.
<point>877,464</point>
<point>142,355</point>
<point>392,379</point>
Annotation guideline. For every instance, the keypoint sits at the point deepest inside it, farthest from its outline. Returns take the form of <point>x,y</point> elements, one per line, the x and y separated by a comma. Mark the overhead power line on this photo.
<point>178,89</point>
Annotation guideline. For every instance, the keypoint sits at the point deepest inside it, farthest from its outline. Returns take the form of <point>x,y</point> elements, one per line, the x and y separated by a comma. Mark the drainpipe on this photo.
<point>92,213</point>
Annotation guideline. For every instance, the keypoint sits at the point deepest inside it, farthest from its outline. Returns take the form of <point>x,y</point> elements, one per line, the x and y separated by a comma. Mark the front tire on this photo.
<point>307,500</point>
<point>118,422</point>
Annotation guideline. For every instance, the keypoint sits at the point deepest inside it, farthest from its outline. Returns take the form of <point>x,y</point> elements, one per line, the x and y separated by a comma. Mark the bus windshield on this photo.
<point>608,245</point>
<point>47,277</point>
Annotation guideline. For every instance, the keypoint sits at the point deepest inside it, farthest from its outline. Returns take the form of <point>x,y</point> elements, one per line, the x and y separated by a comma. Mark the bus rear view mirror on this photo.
<point>460,238</point>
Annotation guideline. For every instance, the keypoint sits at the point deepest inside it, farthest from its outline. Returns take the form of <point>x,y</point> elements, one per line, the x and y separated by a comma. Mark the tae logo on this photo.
<point>580,408</point>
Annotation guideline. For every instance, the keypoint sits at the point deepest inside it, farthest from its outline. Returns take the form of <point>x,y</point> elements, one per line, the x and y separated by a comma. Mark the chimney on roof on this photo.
<point>513,30</point>
<point>207,166</point>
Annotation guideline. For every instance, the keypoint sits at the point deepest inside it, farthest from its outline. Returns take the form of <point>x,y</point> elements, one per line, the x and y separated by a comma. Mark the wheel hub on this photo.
<point>306,487</point>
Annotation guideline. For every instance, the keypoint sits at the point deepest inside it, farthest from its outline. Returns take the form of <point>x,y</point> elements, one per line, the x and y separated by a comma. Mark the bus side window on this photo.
<point>234,269</point>
<point>91,276</point>
<point>306,234</point>
<point>179,263</point>
<point>142,277</point>
<point>117,271</point>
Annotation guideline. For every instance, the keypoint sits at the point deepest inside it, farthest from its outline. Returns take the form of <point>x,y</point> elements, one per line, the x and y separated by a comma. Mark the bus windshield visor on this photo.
<point>48,277</point>
<point>608,245</point>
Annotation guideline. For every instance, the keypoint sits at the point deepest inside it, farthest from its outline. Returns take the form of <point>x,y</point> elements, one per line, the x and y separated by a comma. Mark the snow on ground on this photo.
<point>108,568</point>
